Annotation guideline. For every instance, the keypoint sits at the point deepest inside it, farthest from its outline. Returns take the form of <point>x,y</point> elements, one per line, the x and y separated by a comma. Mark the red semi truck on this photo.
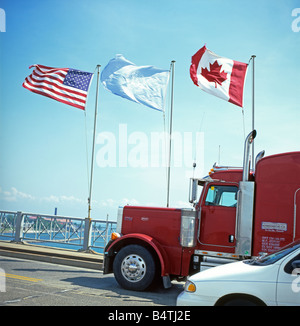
<point>240,214</point>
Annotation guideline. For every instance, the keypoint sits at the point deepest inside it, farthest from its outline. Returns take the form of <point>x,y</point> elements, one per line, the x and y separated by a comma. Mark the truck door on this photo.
<point>218,218</point>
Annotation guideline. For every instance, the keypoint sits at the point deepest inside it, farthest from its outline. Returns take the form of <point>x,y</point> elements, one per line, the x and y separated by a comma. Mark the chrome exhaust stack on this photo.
<point>246,164</point>
<point>245,205</point>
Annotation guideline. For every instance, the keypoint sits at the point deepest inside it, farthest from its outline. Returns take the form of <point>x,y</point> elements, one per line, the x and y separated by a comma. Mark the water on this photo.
<point>74,244</point>
<point>55,231</point>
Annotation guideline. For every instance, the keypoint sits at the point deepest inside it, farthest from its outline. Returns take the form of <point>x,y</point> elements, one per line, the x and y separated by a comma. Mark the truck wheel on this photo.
<point>134,268</point>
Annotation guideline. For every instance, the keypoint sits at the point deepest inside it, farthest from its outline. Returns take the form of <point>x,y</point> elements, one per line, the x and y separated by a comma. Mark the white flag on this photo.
<point>146,85</point>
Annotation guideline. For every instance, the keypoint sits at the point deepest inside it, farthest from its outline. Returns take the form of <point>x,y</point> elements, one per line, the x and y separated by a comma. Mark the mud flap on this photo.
<point>166,282</point>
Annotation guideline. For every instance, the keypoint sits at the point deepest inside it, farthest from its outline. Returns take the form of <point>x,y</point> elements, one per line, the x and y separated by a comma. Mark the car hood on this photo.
<point>237,271</point>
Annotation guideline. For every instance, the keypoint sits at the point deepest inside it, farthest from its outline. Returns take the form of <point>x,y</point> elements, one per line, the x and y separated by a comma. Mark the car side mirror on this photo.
<point>296,264</point>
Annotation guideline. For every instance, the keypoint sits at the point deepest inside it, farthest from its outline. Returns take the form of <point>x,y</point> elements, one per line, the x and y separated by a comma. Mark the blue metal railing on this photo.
<point>57,231</point>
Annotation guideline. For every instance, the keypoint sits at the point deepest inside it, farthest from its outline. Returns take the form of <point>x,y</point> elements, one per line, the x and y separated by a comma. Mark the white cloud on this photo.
<point>114,203</point>
<point>127,201</point>
<point>51,198</point>
<point>64,202</point>
<point>14,194</point>
<point>62,199</point>
<point>107,202</point>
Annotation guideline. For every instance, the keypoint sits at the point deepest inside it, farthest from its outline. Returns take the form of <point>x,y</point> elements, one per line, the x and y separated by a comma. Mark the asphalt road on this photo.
<point>32,283</point>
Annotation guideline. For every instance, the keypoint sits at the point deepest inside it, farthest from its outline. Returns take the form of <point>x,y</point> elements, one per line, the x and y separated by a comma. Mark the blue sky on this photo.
<point>43,161</point>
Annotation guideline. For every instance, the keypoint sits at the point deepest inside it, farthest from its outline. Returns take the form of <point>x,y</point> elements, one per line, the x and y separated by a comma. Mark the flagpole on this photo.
<point>171,123</point>
<point>253,106</point>
<point>93,148</point>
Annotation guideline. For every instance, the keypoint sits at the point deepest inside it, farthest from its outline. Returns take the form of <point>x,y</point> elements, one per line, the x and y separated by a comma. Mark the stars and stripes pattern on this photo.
<point>66,85</point>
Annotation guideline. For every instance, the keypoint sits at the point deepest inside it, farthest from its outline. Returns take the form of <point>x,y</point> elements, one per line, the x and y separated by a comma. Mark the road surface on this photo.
<point>32,283</point>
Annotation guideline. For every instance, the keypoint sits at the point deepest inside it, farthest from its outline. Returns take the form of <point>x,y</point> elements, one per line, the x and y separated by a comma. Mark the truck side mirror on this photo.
<point>296,264</point>
<point>193,190</point>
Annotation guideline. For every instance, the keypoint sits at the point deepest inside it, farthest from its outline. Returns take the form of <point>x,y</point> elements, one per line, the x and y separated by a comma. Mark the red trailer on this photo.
<point>240,214</point>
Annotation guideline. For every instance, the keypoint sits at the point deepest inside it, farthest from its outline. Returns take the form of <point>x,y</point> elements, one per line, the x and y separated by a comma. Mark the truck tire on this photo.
<point>134,268</point>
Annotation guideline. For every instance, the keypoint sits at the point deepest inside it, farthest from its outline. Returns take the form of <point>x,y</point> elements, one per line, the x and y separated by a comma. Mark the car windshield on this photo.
<point>274,257</point>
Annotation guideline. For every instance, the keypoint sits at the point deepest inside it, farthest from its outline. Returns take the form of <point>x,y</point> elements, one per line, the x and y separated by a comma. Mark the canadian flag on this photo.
<point>219,76</point>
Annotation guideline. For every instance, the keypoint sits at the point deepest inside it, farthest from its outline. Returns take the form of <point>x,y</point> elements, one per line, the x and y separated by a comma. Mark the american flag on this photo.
<point>66,85</point>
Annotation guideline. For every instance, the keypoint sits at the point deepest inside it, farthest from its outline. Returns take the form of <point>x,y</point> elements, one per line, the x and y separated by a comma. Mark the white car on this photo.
<point>269,280</point>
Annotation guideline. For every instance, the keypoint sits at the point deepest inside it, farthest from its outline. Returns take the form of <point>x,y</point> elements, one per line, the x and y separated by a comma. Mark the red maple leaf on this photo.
<point>214,75</point>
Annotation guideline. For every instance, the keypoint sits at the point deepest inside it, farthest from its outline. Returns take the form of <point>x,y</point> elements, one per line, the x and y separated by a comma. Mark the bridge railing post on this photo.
<point>87,234</point>
<point>19,227</point>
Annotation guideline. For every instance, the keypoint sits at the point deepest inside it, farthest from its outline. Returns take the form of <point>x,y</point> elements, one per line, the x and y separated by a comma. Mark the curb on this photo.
<point>52,255</point>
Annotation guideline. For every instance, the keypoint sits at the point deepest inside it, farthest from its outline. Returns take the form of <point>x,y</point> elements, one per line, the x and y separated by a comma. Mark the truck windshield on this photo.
<point>221,196</point>
<point>272,258</point>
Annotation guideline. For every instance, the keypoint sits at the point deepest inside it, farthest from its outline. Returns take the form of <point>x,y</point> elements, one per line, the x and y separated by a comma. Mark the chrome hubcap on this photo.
<point>133,268</point>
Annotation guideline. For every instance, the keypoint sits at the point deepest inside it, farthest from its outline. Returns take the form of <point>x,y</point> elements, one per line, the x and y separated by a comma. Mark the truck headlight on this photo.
<point>187,229</point>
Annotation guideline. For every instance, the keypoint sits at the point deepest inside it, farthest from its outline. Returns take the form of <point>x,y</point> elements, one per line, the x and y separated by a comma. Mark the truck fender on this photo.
<point>138,238</point>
